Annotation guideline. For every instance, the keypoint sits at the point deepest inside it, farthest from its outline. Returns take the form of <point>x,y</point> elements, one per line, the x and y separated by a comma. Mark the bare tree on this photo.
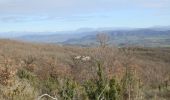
<point>102,39</point>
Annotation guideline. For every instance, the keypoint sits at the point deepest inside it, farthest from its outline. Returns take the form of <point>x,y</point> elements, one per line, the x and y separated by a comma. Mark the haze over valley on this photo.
<point>146,37</point>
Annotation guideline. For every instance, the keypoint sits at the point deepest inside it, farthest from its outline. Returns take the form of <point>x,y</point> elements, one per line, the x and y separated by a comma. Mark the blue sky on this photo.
<point>64,15</point>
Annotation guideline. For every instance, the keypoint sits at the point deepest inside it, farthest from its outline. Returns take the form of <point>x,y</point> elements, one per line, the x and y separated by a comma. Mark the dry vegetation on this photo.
<point>30,70</point>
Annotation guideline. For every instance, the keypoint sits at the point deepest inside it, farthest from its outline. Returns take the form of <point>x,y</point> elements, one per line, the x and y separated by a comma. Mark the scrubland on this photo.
<point>29,70</point>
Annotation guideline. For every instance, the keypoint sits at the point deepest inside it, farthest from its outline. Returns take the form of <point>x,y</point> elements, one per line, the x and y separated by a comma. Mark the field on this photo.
<point>29,70</point>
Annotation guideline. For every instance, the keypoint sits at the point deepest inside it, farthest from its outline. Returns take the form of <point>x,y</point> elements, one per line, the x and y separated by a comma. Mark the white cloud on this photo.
<point>21,18</point>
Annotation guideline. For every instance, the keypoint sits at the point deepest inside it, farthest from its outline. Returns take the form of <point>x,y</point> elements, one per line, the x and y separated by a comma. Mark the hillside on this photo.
<point>141,37</point>
<point>146,37</point>
<point>29,70</point>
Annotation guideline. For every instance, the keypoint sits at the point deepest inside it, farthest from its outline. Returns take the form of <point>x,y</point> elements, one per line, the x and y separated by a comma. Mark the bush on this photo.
<point>102,88</point>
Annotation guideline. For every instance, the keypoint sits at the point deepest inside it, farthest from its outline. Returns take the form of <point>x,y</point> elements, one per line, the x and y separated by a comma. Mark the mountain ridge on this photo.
<point>153,36</point>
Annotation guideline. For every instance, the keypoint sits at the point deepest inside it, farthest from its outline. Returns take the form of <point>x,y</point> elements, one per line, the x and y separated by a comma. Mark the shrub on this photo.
<point>7,76</point>
<point>102,88</point>
<point>68,91</point>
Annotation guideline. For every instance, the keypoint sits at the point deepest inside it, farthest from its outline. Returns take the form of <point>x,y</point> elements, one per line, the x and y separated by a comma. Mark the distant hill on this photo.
<point>154,36</point>
<point>54,37</point>
<point>139,37</point>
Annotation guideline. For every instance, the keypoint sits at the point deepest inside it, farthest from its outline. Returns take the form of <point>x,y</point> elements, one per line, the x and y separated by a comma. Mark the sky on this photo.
<point>64,15</point>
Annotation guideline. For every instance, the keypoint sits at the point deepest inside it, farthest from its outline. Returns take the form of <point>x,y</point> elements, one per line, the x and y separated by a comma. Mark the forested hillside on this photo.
<point>29,70</point>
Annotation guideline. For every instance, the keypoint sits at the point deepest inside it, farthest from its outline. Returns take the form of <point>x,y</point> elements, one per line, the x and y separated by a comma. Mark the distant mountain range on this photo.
<point>154,36</point>
<point>138,37</point>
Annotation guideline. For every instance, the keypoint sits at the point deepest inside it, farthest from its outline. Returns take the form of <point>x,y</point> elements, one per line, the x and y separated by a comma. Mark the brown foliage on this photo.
<point>151,65</point>
<point>7,75</point>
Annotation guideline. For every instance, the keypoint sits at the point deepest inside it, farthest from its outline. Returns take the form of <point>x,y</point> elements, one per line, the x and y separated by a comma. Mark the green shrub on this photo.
<point>102,88</point>
<point>24,74</point>
<point>49,86</point>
